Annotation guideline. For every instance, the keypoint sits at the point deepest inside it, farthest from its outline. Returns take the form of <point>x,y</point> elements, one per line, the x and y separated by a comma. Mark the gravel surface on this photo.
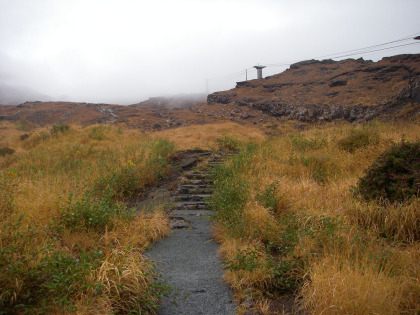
<point>188,261</point>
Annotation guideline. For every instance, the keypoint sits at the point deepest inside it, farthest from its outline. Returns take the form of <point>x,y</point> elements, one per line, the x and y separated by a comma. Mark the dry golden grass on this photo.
<point>243,279</point>
<point>122,275</point>
<point>366,272</point>
<point>39,177</point>
<point>339,288</point>
<point>141,232</point>
<point>204,136</point>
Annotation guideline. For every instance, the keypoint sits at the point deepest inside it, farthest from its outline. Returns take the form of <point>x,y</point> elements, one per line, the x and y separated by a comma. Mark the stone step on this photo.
<point>196,181</point>
<point>197,186</point>
<point>193,190</point>
<point>182,213</point>
<point>196,176</point>
<point>191,197</point>
<point>191,205</point>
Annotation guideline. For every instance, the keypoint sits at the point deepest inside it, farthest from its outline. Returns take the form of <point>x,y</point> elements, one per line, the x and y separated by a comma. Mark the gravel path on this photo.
<point>188,259</point>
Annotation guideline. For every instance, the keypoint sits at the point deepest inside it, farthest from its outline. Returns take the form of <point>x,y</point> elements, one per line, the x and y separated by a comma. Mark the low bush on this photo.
<point>268,196</point>
<point>228,142</point>
<point>121,183</point>
<point>92,214</point>
<point>394,175</point>
<point>6,151</point>
<point>301,143</point>
<point>359,138</point>
<point>98,132</point>
<point>57,129</point>
<point>322,167</point>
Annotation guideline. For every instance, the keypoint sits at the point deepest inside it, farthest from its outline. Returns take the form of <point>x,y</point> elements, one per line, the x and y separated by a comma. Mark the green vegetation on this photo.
<point>68,243</point>
<point>394,175</point>
<point>227,142</point>
<point>359,138</point>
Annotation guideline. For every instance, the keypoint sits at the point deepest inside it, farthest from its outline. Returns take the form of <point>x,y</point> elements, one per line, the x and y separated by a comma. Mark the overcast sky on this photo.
<point>124,51</point>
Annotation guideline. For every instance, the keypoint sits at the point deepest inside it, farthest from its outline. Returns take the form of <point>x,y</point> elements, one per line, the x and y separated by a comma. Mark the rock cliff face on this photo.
<point>327,90</point>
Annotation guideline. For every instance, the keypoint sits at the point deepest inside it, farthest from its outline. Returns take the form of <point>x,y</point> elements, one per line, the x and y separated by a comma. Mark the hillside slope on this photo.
<point>145,118</point>
<point>326,90</point>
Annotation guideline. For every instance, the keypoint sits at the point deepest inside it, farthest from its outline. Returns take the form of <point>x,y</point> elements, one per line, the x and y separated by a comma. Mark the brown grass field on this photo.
<point>363,260</point>
<point>62,196</point>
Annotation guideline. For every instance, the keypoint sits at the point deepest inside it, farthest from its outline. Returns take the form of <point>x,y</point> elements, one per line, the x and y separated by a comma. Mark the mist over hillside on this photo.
<point>174,101</point>
<point>14,95</point>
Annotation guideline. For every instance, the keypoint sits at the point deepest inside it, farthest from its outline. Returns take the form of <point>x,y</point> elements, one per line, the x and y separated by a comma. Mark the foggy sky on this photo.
<point>124,51</point>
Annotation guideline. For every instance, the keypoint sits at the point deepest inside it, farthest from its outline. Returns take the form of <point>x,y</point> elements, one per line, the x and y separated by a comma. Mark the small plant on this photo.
<point>358,138</point>
<point>246,259</point>
<point>301,143</point>
<point>57,129</point>
<point>122,183</point>
<point>321,166</point>
<point>98,132</point>
<point>92,214</point>
<point>394,176</point>
<point>268,196</point>
<point>287,274</point>
<point>228,142</point>
<point>24,136</point>
<point>6,151</point>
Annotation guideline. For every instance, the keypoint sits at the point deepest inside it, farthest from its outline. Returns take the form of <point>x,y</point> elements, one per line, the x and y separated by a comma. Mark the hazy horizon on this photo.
<point>126,51</point>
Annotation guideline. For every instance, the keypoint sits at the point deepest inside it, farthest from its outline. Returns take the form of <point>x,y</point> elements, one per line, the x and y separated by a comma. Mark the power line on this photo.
<point>374,50</point>
<point>354,52</point>
<point>374,46</point>
<point>348,53</point>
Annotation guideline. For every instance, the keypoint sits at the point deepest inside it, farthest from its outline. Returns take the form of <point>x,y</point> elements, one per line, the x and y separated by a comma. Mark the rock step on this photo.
<point>182,213</point>
<point>197,186</point>
<point>196,176</point>
<point>196,181</point>
<point>191,205</point>
<point>191,197</point>
<point>193,190</point>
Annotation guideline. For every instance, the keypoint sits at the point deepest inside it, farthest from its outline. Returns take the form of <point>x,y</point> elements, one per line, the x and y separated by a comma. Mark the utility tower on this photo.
<point>259,71</point>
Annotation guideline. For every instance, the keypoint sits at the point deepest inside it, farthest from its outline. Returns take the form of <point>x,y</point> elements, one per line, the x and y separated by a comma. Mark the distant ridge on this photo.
<point>329,90</point>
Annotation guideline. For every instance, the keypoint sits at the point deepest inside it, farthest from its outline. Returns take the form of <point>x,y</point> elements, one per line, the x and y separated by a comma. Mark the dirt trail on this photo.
<point>188,259</point>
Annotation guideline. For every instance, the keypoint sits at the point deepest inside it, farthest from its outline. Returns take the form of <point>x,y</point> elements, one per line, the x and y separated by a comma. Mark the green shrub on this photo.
<point>53,282</point>
<point>98,132</point>
<point>228,142</point>
<point>24,136</point>
<point>163,148</point>
<point>6,151</point>
<point>92,214</point>
<point>232,192</point>
<point>246,259</point>
<point>122,183</point>
<point>359,138</point>
<point>300,143</point>
<point>60,128</point>
<point>268,196</point>
<point>321,166</point>
<point>394,175</point>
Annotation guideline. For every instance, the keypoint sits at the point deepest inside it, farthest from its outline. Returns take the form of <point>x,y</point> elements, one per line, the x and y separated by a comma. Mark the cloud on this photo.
<point>128,50</point>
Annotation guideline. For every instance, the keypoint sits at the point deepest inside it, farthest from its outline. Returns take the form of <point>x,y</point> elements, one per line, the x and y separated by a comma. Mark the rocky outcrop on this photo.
<point>328,90</point>
<point>222,98</point>
<point>308,113</point>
